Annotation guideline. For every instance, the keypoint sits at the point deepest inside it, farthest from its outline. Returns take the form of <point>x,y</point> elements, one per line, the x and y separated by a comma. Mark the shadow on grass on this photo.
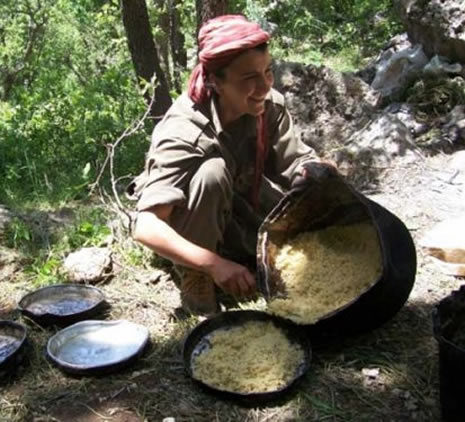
<point>387,374</point>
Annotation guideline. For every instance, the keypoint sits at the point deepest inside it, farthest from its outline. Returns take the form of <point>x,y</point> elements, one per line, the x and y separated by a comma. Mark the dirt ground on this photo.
<point>389,374</point>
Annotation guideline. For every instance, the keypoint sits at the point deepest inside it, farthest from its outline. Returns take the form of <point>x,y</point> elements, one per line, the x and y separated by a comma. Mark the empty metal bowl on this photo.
<point>12,344</point>
<point>93,347</point>
<point>62,304</point>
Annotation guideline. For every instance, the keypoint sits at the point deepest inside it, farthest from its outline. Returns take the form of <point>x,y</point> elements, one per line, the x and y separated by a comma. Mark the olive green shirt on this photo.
<point>190,134</point>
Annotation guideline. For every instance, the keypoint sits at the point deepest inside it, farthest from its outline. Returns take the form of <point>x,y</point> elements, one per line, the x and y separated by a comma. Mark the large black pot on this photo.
<point>448,326</point>
<point>327,201</point>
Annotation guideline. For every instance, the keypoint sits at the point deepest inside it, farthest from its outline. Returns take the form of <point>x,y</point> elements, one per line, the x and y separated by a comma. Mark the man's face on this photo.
<point>247,80</point>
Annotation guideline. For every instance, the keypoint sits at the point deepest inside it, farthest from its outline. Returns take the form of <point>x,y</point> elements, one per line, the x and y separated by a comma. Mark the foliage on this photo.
<point>47,247</point>
<point>18,234</point>
<point>436,96</point>
<point>67,84</point>
<point>318,31</point>
<point>75,97</point>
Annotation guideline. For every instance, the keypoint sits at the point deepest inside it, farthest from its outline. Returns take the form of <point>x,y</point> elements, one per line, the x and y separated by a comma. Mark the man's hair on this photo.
<point>219,73</point>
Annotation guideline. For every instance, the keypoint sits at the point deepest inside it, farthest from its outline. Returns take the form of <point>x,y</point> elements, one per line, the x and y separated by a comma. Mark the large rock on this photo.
<point>6,216</point>
<point>394,74</point>
<point>10,263</point>
<point>327,106</point>
<point>438,25</point>
<point>88,265</point>
<point>338,115</point>
<point>445,242</point>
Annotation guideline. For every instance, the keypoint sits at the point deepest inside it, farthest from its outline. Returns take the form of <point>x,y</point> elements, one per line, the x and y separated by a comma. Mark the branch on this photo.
<point>109,159</point>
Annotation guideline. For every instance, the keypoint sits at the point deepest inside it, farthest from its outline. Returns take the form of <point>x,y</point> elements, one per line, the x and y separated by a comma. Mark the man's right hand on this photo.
<point>233,278</point>
<point>313,171</point>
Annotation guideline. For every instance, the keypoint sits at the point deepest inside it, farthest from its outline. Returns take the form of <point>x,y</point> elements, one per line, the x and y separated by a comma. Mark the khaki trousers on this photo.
<point>220,219</point>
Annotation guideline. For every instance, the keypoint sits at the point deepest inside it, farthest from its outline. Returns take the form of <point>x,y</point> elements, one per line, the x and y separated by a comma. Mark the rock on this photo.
<point>438,25</point>
<point>437,66</point>
<point>88,265</point>
<point>406,114</point>
<point>395,44</point>
<point>382,140</point>
<point>5,218</point>
<point>370,372</point>
<point>445,242</point>
<point>326,105</point>
<point>394,74</point>
<point>453,129</point>
<point>457,161</point>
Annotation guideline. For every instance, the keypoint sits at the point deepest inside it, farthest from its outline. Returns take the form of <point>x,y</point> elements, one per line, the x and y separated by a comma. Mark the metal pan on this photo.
<point>333,201</point>
<point>12,345</point>
<point>198,341</point>
<point>62,304</point>
<point>95,347</point>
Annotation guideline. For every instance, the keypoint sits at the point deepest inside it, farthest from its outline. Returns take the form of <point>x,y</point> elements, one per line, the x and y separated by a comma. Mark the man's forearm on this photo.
<point>159,236</point>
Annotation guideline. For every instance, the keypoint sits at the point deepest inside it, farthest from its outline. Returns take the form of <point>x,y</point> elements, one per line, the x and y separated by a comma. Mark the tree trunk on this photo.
<point>144,53</point>
<point>178,50</point>
<point>164,38</point>
<point>207,9</point>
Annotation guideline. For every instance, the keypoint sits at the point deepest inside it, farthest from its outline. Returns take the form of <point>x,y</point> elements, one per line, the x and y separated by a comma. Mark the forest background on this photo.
<point>76,78</point>
<point>82,85</point>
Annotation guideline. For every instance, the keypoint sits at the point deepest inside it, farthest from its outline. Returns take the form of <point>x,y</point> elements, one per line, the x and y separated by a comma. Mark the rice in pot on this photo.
<point>323,270</point>
<point>256,357</point>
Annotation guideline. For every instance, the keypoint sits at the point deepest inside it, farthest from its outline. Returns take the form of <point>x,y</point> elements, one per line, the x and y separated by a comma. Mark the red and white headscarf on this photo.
<point>222,39</point>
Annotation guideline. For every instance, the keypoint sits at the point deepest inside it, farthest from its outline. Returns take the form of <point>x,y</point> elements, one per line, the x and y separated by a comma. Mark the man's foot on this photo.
<point>198,296</point>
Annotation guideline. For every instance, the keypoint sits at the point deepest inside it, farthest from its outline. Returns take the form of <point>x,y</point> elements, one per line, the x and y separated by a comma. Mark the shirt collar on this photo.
<point>214,115</point>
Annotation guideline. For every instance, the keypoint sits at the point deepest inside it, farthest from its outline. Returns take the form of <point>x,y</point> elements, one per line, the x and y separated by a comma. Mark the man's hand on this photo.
<point>233,278</point>
<point>313,171</point>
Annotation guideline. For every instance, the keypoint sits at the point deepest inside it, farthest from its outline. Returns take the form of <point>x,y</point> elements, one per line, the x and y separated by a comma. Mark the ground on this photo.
<point>388,374</point>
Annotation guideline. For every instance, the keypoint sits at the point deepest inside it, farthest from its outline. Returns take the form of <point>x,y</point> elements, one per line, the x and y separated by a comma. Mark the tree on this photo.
<point>207,9</point>
<point>144,53</point>
<point>18,50</point>
<point>178,50</point>
<point>171,44</point>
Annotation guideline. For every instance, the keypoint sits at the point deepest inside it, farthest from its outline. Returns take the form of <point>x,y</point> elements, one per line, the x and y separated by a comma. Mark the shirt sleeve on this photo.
<point>169,168</point>
<point>287,152</point>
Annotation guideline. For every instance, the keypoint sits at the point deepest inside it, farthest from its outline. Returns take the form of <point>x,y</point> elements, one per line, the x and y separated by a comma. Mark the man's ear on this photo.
<point>213,83</point>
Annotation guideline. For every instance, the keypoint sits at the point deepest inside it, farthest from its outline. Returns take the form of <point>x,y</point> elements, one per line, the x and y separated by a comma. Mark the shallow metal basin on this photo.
<point>89,347</point>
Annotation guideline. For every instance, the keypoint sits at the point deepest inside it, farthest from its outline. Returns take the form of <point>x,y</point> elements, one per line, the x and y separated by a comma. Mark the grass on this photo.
<point>389,374</point>
<point>156,386</point>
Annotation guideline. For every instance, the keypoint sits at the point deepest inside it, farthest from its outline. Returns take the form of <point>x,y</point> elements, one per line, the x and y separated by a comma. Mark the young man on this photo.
<point>219,161</point>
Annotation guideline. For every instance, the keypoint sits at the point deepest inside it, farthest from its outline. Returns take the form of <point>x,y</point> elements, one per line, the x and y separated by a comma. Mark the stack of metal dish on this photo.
<point>81,345</point>
<point>12,346</point>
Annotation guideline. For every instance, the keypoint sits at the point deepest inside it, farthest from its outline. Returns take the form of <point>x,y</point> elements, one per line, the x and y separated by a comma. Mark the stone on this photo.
<point>445,243</point>
<point>438,25</point>
<point>88,265</point>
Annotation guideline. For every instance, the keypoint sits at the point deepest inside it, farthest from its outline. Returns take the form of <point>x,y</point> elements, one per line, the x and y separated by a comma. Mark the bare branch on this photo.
<point>109,160</point>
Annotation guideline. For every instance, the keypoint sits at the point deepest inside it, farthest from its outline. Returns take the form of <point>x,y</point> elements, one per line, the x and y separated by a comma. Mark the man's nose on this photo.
<point>265,83</point>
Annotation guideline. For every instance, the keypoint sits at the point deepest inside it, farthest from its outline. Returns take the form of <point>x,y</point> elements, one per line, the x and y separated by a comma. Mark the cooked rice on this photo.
<point>324,270</point>
<point>253,358</point>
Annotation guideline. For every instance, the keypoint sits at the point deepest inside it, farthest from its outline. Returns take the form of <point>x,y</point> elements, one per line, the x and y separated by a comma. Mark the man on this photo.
<point>219,161</point>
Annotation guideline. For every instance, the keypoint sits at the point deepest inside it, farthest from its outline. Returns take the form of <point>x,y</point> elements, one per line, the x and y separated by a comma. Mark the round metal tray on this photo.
<point>197,341</point>
<point>93,347</point>
<point>62,304</point>
<point>12,345</point>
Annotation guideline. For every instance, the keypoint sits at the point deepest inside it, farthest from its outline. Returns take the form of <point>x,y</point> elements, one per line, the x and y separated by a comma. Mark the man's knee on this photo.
<point>213,177</point>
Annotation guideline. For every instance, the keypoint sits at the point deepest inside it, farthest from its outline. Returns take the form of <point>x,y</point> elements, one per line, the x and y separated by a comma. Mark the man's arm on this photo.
<point>152,229</point>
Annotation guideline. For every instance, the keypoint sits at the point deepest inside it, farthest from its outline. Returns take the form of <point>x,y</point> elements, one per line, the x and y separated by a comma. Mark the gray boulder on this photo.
<point>438,25</point>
